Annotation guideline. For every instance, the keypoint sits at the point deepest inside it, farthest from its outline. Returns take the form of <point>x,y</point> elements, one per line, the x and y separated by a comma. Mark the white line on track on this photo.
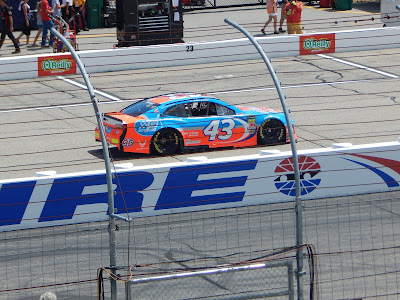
<point>215,93</point>
<point>293,86</point>
<point>82,86</point>
<point>357,65</point>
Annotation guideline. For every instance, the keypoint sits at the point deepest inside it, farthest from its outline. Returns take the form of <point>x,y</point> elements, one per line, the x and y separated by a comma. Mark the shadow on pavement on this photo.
<point>371,7</point>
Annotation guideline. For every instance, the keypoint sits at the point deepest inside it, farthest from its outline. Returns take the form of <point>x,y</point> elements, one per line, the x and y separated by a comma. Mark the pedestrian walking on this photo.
<point>293,11</point>
<point>8,28</point>
<point>283,16</point>
<point>39,23</point>
<point>25,10</point>
<point>272,9</point>
<point>47,24</point>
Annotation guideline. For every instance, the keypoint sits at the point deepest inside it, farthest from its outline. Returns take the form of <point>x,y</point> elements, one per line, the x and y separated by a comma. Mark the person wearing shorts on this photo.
<point>39,23</point>
<point>25,11</point>
<point>283,16</point>
<point>272,9</point>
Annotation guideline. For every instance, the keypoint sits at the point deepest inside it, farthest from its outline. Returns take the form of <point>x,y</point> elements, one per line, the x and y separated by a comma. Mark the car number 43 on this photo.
<point>212,129</point>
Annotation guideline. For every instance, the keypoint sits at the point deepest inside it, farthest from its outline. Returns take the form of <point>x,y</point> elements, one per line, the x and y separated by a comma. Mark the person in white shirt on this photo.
<point>56,8</point>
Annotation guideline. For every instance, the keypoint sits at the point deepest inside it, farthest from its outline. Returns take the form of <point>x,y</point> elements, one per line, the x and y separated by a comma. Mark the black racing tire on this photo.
<point>272,132</point>
<point>166,141</point>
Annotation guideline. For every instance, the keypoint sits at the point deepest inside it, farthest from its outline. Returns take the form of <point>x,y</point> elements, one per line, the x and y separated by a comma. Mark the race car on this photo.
<point>187,122</point>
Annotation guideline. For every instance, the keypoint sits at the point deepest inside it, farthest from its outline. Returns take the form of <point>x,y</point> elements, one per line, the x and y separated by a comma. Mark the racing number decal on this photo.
<point>212,129</point>
<point>227,130</point>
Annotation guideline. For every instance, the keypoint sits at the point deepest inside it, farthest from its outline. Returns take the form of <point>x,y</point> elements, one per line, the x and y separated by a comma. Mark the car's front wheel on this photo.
<point>272,132</point>
<point>166,142</point>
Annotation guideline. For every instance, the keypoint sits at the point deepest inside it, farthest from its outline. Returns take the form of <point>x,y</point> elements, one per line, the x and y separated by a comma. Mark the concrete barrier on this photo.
<point>95,61</point>
<point>199,184</point>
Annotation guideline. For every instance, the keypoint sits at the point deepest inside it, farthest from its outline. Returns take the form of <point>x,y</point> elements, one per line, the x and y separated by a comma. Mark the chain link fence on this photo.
<point>354,242</point>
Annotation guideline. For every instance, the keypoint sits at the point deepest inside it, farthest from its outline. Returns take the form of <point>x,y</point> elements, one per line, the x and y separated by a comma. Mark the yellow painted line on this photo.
<point>96,35</point>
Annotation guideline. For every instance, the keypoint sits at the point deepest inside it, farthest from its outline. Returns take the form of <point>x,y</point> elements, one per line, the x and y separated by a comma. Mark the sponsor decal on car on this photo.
<point>190,133</point>
<point>147,127</point>
<point>128,142</point>
<point>191,142</point>
<point>252,127</point>
<point>142,144</point>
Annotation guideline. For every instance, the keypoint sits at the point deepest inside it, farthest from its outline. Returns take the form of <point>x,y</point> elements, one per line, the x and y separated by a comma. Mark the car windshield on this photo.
<point>138,108</point>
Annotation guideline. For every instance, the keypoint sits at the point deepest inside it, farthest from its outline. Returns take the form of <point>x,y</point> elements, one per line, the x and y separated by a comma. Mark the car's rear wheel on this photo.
<point>272,132</point>
<point>166,142</point>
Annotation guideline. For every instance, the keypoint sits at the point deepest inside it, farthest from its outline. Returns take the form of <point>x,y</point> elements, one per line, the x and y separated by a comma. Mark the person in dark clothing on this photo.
<point>79,8</point>
<point>66,9</point>
<point>7,22</point>
<point>25,10</point>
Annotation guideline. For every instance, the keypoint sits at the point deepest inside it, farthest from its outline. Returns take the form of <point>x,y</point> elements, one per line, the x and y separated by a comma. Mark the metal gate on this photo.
<point>227,282</point>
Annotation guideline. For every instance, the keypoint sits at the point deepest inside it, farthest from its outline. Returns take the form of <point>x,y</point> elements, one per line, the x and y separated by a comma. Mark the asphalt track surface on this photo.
<point>47,123</point>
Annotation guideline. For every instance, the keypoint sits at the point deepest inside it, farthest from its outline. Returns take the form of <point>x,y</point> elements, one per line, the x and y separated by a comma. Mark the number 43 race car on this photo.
<point>173,123</point>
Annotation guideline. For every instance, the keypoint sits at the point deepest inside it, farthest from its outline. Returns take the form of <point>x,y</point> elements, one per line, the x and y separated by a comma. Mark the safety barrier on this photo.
<point>198,53</point>
<point>199,184</point>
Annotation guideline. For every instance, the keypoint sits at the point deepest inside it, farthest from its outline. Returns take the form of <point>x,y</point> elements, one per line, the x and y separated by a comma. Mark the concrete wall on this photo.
<point>199,184</point>
<point>95,61</point>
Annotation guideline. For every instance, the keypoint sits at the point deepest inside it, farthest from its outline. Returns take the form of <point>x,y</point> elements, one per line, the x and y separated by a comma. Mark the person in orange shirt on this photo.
<point>293,11</point>
<point>272,9</point>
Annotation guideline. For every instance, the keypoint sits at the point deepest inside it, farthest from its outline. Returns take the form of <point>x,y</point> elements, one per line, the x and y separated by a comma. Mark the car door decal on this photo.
<point>227,130</point>
<point>212,130</point>
<point>223,129</point>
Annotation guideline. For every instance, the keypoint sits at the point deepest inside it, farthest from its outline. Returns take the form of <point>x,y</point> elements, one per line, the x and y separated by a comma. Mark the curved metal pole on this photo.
<point>299,209</point>
<point>107,160</point>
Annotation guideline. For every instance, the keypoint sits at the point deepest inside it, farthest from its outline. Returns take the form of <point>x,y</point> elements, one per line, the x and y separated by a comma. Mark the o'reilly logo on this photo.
<point>52,64</point>
<point>311,44</point>
<point>317,43</point>
<point>56,65</point>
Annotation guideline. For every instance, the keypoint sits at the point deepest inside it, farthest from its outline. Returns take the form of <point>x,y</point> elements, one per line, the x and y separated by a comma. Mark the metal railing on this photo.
<point>204,283</point>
